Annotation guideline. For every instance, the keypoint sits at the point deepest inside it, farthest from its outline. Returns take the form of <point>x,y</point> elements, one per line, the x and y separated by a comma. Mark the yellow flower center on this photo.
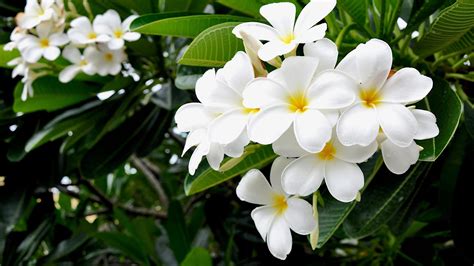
<point>108,57</point>
<point>83,62</point>
<point>251,110</point>
<point>118,33</point>
<point>327,153</point>
<point>288,38</point>
<point>44,43</point>
<point>92,35</point>
<point>298,102</point>
<point>370,98</point>
<point>279,203</point>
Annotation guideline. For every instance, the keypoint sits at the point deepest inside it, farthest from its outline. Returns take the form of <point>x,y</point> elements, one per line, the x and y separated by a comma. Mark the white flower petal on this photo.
<point>262,92</point>
<point>126,23</point>
<point>332,89</point>
<point>427,127</point>
<point>296,73</point>
<point>254,188</point>
<point>235,149</point>
<point>192,116</point>
<point>28,22</point>
<point>406,86</point>
<point>215,155</point>
<point>299,216</point>
<point>194,138</point>
<point>215,93</point>
<point>238,72</point>
<point>314,34</point>
<point>358,125</point>
<point>275,48</point>
<point>196,158</point>
<point>228,126</point>
<point>326,52</point>
<point>281,16</point>
<point>279,239</point>
<point>263,217</point>
<point>115,44</point>
<point>72,54</point>
<point>343,179</point>
<point>303,176</point>
<point>270,123</point>
<point>82,23</point>
<point>312,13</point>
<point>369,64</point>
<point>397,122</point>
<point>51,53</point>
<point>257,30</point>
<point>68,73</point>
<point>276,172</point>
<point>399,159</point>
<point>312,130</point>
<point>131,36</point>
<point>287,145</point>
<point>354,153</point>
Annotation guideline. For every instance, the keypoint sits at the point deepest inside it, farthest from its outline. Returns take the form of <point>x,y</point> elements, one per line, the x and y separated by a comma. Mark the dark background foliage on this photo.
<point>89,181</point>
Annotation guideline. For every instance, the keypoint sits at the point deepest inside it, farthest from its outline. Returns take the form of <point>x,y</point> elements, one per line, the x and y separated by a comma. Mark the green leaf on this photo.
<point>177,232</point>
<point>187,26</point>
<point>334,212</point>
<point>447,107</point>
<point>150,18</point>
<point>127,245</point>
<point>30,244</point>
<point>197,257</point>
<point>421,13</point>
<point>356,9</point>
<point>213,47</point>
<point>66,247</point>
<point>51,95</point>
<point>381,201</point>
<point>452,23</point>
<point>258,157</point>
<point>7,56</point>
<point>252,7</point>
<point>465,43</point>
<point>174,5</point>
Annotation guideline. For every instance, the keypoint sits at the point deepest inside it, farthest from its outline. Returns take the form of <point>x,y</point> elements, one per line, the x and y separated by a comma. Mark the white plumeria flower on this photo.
<point>336,164</point>
<point>106,61</point>
<point>399,159</point>
<point>226,95</point>
<point>295,96</point>
<point>213,151</point>
<point>286,34</point>
<point>81,62</point>
<point>46,44</point>
<point>35,13</point>
<point>20,67</point>
<point>15,38</point>
<point>380,100</point>
<point>82,32</point>
<point>30,76</point>
<point>110,24</point>
<point>279,212</point>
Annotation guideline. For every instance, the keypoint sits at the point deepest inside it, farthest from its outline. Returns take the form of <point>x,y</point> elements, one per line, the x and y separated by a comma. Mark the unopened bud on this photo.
<point>252,46</point>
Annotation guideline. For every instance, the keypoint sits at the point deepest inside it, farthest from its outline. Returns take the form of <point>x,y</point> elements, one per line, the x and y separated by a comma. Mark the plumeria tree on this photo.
<point>145,132</point>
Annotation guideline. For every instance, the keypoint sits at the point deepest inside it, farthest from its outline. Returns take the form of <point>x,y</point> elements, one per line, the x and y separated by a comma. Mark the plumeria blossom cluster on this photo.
<point>42,35</point>
<point>321,117</point>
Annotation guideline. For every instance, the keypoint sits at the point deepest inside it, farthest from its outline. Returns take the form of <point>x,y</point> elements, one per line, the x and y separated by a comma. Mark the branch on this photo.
<point>154,182</point>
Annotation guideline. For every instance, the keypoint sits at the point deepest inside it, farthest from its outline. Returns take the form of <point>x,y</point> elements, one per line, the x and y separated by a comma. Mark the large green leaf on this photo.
<point>66,247</point>
<point>187,26</point>
<point>197,257</point>
<point>465,43</point>
<point>334,212</point>
<point>446,105</point>
<point>252,7</point>
<point>421,13</point>
<point>7,56</point>
<point>381,201</point>
<point>51,95</point>
<point>453,22</point>
<point>356,9</point>
<point>255,157</point>
<point>127,245</point>
<point>213,47</point>
<point>178,235</point>
<point>150,18</point>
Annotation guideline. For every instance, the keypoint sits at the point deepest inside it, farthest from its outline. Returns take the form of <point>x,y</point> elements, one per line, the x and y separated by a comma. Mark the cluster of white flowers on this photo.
<point>321,118</point>
<point>92,47</point>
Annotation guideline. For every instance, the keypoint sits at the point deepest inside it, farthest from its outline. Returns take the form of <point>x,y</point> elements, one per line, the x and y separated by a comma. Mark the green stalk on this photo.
<point>394,17</point>
<point>380,30</point>
<point>343,33</point>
